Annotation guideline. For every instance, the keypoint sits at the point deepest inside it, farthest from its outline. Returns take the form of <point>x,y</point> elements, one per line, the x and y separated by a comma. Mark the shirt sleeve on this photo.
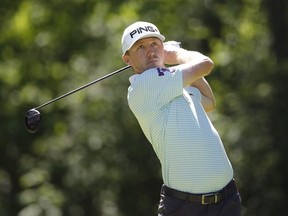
<point>156,87</point>
<point>194,92</point>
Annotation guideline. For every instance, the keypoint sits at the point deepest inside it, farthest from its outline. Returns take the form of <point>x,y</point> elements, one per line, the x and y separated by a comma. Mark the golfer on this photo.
<point>170,104</point>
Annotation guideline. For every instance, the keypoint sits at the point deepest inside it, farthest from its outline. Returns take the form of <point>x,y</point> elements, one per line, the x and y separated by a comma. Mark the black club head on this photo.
<point>32,120</point>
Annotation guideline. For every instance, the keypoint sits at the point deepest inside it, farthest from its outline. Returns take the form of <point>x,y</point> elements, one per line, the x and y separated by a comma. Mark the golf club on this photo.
<point>33,116</point>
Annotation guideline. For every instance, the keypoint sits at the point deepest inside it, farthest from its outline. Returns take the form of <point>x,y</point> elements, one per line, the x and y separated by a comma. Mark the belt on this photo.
<point>209,198</point>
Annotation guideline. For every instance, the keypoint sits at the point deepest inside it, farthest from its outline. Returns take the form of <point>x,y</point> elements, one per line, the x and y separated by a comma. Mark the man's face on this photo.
<point>146,53</point>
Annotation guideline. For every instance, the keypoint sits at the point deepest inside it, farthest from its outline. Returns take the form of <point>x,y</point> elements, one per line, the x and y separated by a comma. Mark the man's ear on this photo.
<point>126,59</point>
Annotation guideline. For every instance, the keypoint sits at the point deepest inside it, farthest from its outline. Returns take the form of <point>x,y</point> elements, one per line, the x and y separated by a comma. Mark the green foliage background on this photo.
<point>90,156</point>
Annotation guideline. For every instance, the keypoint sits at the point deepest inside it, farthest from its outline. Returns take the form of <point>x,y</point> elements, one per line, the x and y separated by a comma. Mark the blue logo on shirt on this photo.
<point>161,71</point>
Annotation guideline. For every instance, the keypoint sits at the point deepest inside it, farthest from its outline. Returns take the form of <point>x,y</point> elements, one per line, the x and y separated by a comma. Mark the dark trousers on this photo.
<point>229,205</point>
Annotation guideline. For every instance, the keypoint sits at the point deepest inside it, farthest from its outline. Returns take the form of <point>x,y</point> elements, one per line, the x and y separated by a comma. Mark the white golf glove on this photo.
<point>171,45</point>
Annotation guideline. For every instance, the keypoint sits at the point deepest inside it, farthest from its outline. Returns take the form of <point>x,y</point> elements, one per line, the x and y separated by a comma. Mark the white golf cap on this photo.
<point>137,31</point>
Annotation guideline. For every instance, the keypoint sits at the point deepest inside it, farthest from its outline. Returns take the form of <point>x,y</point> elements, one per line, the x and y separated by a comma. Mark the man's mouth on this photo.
<point>152,60</point>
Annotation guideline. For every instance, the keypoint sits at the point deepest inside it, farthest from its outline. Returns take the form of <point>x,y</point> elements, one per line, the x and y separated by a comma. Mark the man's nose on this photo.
<point>150,51</point>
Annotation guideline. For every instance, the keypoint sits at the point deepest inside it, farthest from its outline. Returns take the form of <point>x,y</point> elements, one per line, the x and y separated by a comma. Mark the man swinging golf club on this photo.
<point>170,104</point>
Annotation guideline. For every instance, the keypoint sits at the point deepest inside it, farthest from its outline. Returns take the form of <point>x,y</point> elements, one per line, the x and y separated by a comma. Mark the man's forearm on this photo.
<point>208,100</point>
<point>203,87</point>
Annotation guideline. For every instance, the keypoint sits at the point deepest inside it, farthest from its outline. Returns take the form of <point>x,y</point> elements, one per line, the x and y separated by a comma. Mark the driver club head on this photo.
<point>32,120</point>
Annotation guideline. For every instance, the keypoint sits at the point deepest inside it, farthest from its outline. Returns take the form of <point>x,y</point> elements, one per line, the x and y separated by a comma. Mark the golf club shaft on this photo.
<point>84,86</point>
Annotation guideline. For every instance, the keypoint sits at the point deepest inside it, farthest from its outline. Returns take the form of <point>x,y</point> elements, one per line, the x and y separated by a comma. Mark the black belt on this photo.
<point>209,198</point>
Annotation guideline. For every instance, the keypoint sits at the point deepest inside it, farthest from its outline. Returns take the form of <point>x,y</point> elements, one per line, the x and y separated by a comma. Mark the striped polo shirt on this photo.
<point>191,153</point>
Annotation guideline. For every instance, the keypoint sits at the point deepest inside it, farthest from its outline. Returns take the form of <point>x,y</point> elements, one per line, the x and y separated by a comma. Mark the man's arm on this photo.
<point>194,67</point>
<point>208,101</point>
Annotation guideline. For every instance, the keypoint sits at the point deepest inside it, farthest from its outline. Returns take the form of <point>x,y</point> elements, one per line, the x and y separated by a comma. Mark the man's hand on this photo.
<point>171,48</point>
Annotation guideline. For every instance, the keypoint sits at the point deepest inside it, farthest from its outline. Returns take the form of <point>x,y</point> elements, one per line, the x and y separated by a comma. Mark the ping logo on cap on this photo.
<point>141,29</point>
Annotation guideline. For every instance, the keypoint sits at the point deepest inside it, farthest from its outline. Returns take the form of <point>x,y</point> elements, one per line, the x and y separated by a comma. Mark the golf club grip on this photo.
<point>84,86</point>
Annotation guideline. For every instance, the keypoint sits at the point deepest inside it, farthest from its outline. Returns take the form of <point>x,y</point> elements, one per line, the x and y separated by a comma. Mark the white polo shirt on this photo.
<point>191,153</point>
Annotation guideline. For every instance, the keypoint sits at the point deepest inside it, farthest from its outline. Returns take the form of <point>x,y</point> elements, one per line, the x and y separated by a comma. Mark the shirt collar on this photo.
<point>133,78</point>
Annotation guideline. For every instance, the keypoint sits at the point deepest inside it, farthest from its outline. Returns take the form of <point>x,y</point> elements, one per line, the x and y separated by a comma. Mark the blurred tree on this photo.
<point>90,156</point>
<point>250,76</point>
